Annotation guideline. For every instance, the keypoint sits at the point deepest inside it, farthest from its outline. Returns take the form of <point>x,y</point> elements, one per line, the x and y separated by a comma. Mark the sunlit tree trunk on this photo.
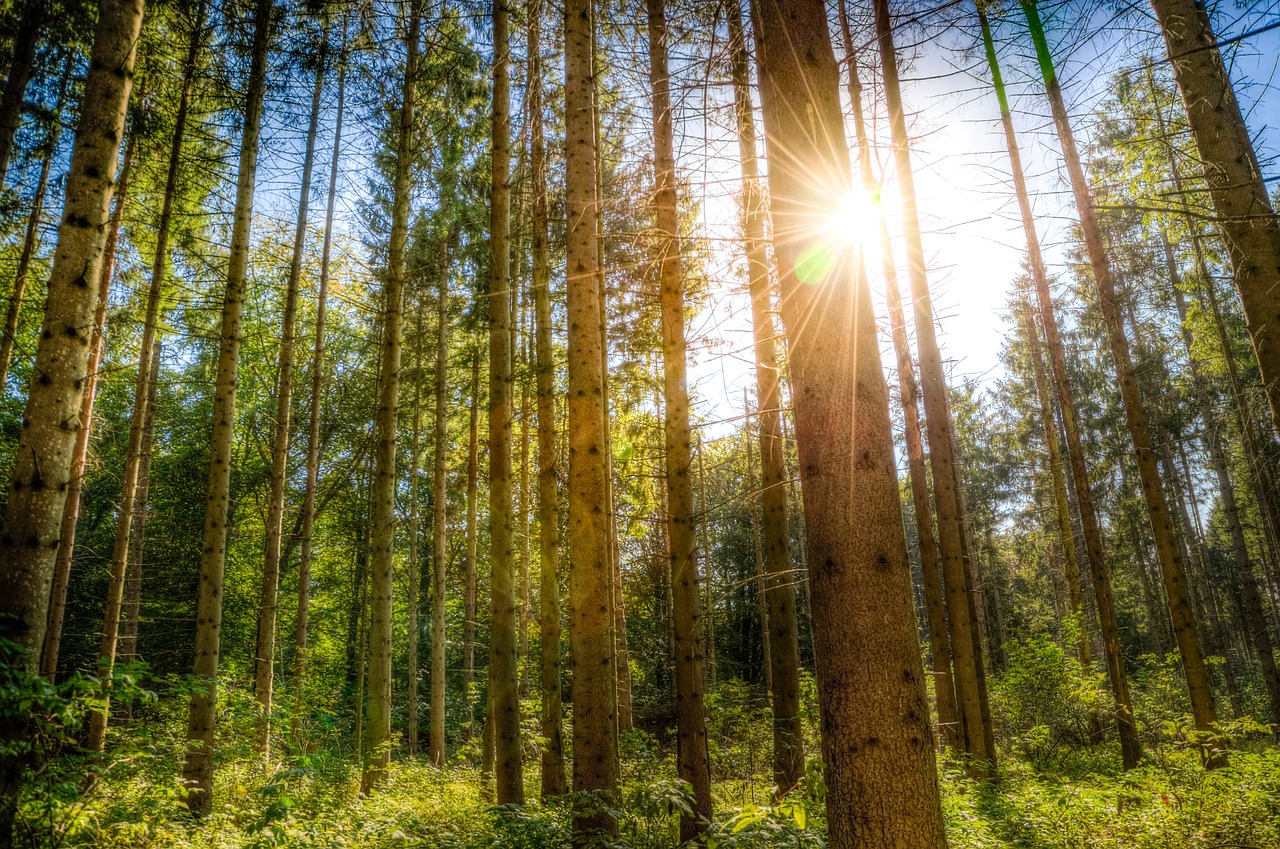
<point>779,589</point>
<point>439,495</point>
<point>554,782</point>
<point>692,755</point>
<point>264,660</point>
<point>966,651</point>
<point>1171,566</point>
<point>595,722</point>
<point>307,531</point>
<point>935,603</point>
<point>198,770</point>
<point>377,751</point>
<point>1099,572</point>
<point>881,776</point>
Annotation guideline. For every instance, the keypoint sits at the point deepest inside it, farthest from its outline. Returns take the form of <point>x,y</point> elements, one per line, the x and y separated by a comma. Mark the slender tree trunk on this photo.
<point>440,495</point>
<point>469,578</point>
<point>935,604</point>
<point>42,469</point>
<point>268,607</point>
<point>382,538</point>
<point>1171,566</point>
<point>692,755</point>
<point>753,496</point>
<point>415,556</point>
<point>779,589</point>
<point>881,775</point>
<point>1250,227</point>
<point>966,651</point>
<point>31,21</point>
<point>554,782</point>
<point>128,645</point>
<point>71,510</point>
<point>307,532</point>
<point>198,770</point>
<point>32,239</point>
<point>709,596</point>
<point>592,651</point>
<point>1099,572</point>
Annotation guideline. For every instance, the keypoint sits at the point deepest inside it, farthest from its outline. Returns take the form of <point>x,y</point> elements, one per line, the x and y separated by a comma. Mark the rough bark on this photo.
<point>692,756</point>
<point>595,725</point>
<point>779,589</point>
<point>268,606</point>
<point>877,742</point>
<point>554,781</point>
<point>377,749</point>
<point>198,770</point>
<point>966,651</point>
<point>1171,565</point>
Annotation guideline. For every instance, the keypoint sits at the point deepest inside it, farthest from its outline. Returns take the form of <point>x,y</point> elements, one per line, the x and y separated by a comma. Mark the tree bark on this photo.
<point>198,770</point>
<point>439,495</point>
<point>31,22</point>
<point>469,578</point>
<point>779,588</point>
<point>377,750</point>
<point>411,531</point>
<point>1171,566</point>
<point>554,782</point>
<point>595,706</point>
<point>692,755</point>
<point>877,743</point>
<point>1099,573</point>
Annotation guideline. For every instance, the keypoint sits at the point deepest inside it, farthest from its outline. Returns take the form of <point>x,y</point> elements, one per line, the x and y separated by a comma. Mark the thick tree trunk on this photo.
<point>504,695</point>
<point>42,469</point>
<point>469,577</point>
<point>439,494</point>
<point>31,21</point>
<point>1099,572</point>
<point>877,741</point>
<point>377,750</point>
<point>949,724</point>
<point>264,659</point>
<point>198,770</point>
<point>1250,227</point>
<point>307,531</point>
<point>965,649</point>
<point>779,588</point>
<point>71,510</point>
<point>692,755</point>
<point>1171,566</point>
<point>595,721</point>
<point>554,782</point>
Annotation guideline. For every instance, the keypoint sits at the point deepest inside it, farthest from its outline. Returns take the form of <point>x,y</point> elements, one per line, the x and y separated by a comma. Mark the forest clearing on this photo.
<point>732,423</point>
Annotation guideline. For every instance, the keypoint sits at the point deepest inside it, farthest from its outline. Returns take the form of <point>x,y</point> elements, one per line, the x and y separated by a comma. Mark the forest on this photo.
<point>596,423</point>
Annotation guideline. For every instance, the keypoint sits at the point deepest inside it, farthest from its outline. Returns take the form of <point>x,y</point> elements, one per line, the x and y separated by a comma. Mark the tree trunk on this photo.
<point>753,496</point>
<point>1171,566</point>
<point>411,531</point>
<point>198,770</point>
<point>268,607</point>
<point>1250,227</point>
<point>881,777</point>
<point>42,469</point>
<point>779,588</point>
<point>31,22</point>
<point>377,750</point>
<point>595,721</point>
<point>128,645</point>
<point>71,509</point>
<point>469,578</point>
<point>307,531</point>
<point>1099,572</point>
<point>935,604</point>
<point>966,651</point>
<point>692,755</point>
<point>439,496</point>
<point>32,239</point>
<point>554,782</point>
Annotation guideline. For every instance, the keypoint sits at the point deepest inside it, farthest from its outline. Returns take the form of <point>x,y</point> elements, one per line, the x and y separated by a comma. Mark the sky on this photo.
<point>972,233</point>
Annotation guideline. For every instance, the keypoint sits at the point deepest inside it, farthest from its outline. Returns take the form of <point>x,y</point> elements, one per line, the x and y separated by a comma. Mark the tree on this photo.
<point>870,676</point>
<point>198,770</point>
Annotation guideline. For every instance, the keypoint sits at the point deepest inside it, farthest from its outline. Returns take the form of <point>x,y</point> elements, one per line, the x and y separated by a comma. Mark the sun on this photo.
<point>852,218</point>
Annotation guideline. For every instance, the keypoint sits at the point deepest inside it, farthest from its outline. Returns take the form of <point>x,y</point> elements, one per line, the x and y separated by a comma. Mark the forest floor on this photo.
<point>1047,798</point>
